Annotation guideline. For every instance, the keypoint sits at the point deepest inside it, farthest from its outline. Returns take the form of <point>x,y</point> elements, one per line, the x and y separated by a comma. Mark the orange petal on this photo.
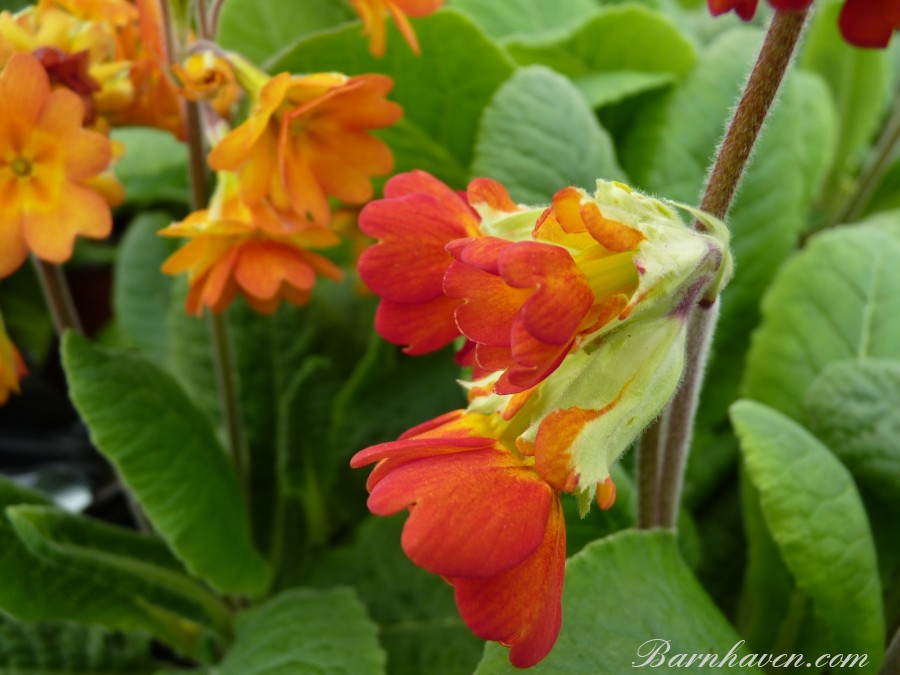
<point>490,304</point>
<point>610,233</point>
<point>490,193</point>
<point>51,235</point>
<point>552,447</point>
<point>13,249</point>
<point>472,514</point>
<point>522,607</point>
<point>423,327</point>
<point>263,266</point>
<point>24,82</point>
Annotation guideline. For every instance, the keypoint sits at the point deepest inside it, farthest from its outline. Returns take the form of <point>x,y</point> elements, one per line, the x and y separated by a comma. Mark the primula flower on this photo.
<point>485,517</point>
<point>235,247</point>
<point>374,14</point>
<point>12,366</point>
<point>307,139</point>
<point>863,23</point>
<point>46,163</point>
<point>525,286</point>
<point>206,76</point>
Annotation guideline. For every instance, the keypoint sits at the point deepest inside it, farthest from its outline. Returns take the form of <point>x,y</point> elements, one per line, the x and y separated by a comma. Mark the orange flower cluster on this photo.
<point>305,144</point>
<point>110,52</point>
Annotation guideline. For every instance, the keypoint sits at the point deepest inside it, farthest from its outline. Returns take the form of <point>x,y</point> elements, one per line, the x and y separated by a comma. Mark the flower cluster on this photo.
<point>306,141</point>
<point>72,69</point>
<point>864,23</point>
<point>572,317</point>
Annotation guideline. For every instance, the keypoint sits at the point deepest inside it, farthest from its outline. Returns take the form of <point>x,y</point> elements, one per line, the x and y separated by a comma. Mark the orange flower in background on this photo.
<point>12,366</point>
<point>307,139</point>
<point>374,14</point>
<point>207,77</point>
<point>486,518</point>
<point>234,247</point>
<point>46,163</point>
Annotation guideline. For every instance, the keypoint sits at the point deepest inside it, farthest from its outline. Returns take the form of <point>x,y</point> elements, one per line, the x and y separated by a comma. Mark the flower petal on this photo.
<point>424,327</point>
<point>472,514</point>
<point>522,607</point>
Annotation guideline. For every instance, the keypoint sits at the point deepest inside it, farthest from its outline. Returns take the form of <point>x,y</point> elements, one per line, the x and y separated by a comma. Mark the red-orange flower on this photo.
<point>521,305</point>
<point>234,247</point>
<point>307,139</point>
<point>374,14</point>
<point>415,221</point>
<point>864,23</point>
<point>46,162</point>
<point>483,517</point>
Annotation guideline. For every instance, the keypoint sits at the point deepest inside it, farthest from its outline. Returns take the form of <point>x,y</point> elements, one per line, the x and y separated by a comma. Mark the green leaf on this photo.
<point>153,168</point>
<point>602,89</point>
<point>443,91</point>
<point>12,493</point>
<point>625,596</point>
<point>538,136</point>
<point>258,30</point>
<point>815,515</point>
<point>525,19</point>
<point>836,300</point>
<point>47,648</point>
<point>416,615</point>
<point>853,407</point>
<point>141,292</point>
<point>167,454</point>
<point>388,393</point>
<point>47,591</point>
<point>859,84</point>
<point>306,631</point>
<point>634,39</point>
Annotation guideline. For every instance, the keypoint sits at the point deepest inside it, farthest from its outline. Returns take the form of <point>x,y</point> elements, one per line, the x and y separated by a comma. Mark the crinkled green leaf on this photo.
<point>538,135</point>
<point>154,166</point>
<point>44,590</point>
<point>141,292</point>
<point>443,91</point>
<point>625,596</point>
<point>526,19</point>
<point>633,39</point>
<point>854,407</point>
<point>167,454</point>
<point>259,30</point>
<point>602,89</point>
<point>135,564</point>
<point>418,623</point>
<point>815,515</point>
<point>837,300</point>
<point>306,631</point>
<point>58,648</point>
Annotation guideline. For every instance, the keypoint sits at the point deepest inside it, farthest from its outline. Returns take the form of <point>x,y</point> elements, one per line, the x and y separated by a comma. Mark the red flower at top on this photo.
<point>864,23</point>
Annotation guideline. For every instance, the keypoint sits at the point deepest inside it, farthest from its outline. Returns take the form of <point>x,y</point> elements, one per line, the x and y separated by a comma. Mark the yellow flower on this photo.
<point>46,163</point>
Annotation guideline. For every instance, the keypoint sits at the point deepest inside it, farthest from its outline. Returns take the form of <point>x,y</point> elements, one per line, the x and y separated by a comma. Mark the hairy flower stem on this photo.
<point>199,183</point>
<point>721,185</point>
<point>891,663</point>
<point>59,299</point>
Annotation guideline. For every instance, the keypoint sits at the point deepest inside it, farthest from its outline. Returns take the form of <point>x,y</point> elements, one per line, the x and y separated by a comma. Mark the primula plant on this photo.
<point>449,336</point>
